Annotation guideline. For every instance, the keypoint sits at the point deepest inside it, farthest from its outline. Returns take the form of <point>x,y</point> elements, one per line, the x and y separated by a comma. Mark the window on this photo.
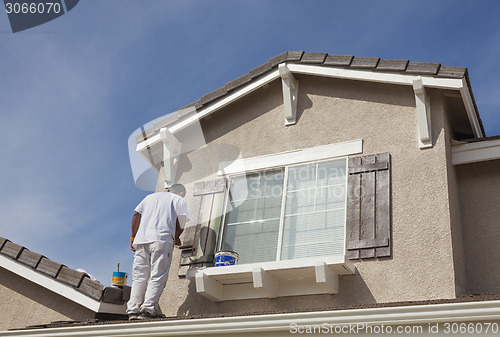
<point>287,213</point>
<point>296,226</point>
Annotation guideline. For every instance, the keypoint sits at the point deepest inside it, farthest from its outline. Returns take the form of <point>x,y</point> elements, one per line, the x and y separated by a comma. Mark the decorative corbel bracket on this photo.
<point>423,114</point>
<point>290,93</point>
<point>171,152</point>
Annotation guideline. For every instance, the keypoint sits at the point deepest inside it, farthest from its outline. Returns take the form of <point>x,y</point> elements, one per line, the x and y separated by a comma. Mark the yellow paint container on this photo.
<point>119,278</point>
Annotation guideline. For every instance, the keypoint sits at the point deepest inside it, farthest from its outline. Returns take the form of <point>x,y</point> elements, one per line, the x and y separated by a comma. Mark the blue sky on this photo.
<point>74,89</point>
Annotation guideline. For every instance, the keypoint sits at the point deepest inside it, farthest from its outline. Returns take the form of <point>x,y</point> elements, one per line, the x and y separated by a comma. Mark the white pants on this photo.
<point>149,276</point>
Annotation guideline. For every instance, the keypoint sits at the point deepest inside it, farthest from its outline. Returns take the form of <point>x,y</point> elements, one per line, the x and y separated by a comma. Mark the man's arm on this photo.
<point>136,221</point>
<point>179,228</point>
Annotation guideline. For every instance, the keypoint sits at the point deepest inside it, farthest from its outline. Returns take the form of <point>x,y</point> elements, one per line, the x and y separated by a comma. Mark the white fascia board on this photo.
<point>148,142</point>
<point>292,157</point>
<point>371,76</point>
<point>49,283</point>
<point>256,325</point>
<point>471,110</point>
<point>475,152</point>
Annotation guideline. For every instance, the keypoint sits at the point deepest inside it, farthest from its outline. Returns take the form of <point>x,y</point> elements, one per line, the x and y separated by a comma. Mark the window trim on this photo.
<point>299,156</point>
<point>282,216</point>
<point>264,281</point>
<point>285,160</point>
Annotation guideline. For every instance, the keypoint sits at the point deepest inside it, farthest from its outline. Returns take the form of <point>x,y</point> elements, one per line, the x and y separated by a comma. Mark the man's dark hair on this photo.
<point>177,189</point>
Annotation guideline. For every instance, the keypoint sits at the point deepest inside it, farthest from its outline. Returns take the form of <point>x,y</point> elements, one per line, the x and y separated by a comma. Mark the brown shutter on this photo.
<point>200,236</point>
<point>368,222</point>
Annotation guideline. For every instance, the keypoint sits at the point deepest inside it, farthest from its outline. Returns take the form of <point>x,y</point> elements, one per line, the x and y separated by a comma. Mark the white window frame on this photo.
<point>303,276</point>
<point>283,202</point>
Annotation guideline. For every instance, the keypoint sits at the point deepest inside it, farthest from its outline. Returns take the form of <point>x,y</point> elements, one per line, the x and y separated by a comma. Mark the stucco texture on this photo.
<point>333,111</point>
<point>479,186</point>
<point>24,303</point>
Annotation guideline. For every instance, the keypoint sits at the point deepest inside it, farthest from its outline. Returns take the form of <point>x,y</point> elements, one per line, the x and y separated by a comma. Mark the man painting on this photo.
<point>157,224</point>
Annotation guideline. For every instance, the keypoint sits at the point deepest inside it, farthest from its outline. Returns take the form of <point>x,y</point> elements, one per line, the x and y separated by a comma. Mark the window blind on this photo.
<point>252,225</point>
<point>314,210</point>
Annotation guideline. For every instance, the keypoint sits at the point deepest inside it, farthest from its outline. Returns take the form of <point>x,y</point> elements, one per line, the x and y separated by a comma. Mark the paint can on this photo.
<point>119,278</point>
<point>226,258</point>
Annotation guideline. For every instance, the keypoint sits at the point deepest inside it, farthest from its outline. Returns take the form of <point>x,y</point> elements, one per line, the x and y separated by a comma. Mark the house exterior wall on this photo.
<point>454,210</point>
<point>332,111</point>
<point>30,304</point>
<point>479,186</point>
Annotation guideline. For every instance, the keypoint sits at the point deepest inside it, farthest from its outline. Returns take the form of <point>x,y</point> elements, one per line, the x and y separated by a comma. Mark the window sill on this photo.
<point>309,276</point>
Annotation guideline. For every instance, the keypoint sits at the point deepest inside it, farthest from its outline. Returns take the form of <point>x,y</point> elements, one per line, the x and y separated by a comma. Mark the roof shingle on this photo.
<point>453,72</point>
<point>238,82</point>
<point>392,65</point>
<point>313,58</point>
<point>422,68</point>
<point>30,258</point>
<point>365,62</point>
<point>257,71</point>
<point>338,60</point>
<point>12,250</point>
<point>205,99</point>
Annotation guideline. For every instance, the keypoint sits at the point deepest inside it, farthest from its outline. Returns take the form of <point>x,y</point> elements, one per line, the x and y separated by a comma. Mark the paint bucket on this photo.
<point>119,278</point>
<point>226,258</point>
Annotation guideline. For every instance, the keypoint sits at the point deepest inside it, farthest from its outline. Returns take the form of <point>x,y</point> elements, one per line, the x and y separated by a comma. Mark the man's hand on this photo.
<point>179,228</point>
<point>136,221</point>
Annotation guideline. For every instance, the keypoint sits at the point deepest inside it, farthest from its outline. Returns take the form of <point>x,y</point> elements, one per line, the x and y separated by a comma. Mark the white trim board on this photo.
<point>281,159</point>
<point>475,152</point>
<point>279,324</point>
<point>305,276</point>
<point>59,287</point>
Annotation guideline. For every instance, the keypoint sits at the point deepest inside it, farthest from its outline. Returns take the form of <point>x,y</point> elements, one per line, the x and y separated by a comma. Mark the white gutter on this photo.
<point>59,287</point>
<point>471,110</point>
<point>360,75</point>
<point>372,76</point>
<point>475,152</point>
<point>485,311</point>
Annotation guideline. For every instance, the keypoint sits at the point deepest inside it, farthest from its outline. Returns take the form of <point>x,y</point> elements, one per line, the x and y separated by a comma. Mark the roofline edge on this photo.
<point>398,315</point>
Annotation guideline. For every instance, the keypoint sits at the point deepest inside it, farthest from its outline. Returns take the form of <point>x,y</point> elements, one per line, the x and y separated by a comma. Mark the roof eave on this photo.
<point>456,83</point>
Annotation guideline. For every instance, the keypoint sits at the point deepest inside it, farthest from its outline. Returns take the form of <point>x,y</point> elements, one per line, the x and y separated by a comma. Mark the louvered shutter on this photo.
<point>200,234</point>
<point>368,221</point>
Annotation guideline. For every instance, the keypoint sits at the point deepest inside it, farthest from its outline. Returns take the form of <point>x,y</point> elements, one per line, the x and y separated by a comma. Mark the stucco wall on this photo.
<point>332,111</point>
<point>25,303</point>
<point>454,209</point>
<point>479,186</point>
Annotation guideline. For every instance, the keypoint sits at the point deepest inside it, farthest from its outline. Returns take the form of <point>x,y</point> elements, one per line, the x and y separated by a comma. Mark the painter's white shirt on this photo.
<point>159,213</point>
